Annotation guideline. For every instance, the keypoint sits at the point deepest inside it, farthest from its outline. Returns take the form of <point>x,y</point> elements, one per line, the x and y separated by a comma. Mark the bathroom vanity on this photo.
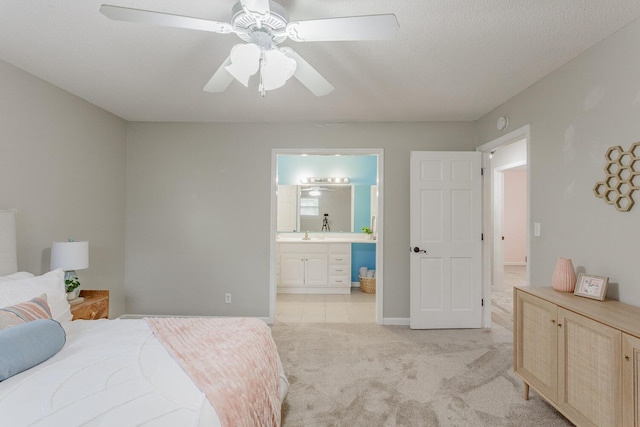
<point>320,265</point>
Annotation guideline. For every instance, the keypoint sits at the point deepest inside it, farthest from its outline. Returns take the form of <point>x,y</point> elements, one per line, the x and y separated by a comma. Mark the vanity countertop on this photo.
<point>313,238</point>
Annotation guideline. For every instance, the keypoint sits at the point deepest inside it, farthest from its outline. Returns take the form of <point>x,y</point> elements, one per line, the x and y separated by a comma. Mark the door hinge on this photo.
<point>482,302</point>
<point>481,171</point>
<point>481,236</point>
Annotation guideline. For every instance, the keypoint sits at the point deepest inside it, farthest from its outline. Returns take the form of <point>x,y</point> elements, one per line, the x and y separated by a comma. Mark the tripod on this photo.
<point>325,223</point>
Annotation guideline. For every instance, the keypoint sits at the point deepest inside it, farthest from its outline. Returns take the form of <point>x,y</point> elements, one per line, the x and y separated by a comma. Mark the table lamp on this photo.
<point>70,256</point>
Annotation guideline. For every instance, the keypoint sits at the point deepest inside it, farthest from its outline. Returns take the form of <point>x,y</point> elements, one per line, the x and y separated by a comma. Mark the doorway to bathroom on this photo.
<point>323,285</point>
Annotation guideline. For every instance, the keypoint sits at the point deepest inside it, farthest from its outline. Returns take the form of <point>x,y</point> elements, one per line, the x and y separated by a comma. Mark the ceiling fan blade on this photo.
<point>261,7</point>
<point>370,27</point>
<point>258,9</point>
<point>220,80</point>
<point>307,75</point>
<point>118,13</point>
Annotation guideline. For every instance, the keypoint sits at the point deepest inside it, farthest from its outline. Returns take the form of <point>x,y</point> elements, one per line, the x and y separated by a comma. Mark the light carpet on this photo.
<point>345,374</point>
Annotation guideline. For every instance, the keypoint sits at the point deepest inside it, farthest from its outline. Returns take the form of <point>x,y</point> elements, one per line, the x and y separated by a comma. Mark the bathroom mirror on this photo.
<point>303,207</point>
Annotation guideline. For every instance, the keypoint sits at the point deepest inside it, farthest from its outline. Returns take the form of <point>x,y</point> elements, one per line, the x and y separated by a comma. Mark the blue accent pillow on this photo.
<point>24,346</point>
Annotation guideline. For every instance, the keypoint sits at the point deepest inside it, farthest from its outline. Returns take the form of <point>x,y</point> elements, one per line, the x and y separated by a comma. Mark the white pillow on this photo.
<point>52,283</point>
<point>16,276</point>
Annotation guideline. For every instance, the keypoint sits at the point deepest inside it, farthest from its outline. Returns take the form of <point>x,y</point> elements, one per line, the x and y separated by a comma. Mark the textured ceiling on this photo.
<point>451,60</point>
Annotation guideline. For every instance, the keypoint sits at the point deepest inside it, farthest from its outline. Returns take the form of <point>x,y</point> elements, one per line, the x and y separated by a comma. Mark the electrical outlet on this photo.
<point>227,298</point>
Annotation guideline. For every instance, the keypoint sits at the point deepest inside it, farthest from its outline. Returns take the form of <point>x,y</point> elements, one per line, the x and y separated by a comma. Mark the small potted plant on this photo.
<point>368,231</point>
<point>72,288</point>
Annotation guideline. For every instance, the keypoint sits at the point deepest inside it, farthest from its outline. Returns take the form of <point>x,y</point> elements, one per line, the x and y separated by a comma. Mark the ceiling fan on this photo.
<point>263,25</point>
<point>316,191</point>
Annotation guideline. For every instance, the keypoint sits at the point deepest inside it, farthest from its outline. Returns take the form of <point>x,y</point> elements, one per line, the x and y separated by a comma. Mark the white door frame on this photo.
<point>488,249</point>
<point>273,288</point>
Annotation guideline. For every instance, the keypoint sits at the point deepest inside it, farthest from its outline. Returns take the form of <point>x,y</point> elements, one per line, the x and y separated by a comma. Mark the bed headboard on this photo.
<point>8,252</point>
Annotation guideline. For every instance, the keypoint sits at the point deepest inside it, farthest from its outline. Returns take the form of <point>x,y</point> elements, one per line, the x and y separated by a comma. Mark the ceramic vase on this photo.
<point>564,276</point>
<point>73,294</point>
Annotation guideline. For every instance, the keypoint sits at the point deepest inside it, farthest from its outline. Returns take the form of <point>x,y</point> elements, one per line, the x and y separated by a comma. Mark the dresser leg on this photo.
<point>525,391</point>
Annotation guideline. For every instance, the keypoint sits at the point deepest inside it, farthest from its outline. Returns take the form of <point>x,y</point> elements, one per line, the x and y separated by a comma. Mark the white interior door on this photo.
<point>445,233</point>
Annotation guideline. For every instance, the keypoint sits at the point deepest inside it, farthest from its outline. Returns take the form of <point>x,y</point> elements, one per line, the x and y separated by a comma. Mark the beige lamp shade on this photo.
<point>69,255</point>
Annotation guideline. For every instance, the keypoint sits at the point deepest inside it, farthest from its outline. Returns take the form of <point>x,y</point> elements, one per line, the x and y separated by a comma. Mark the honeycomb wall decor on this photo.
<point>622,177</point>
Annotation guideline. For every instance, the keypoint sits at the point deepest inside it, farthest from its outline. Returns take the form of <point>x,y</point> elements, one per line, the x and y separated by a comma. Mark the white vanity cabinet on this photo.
<point>314,268</point>
<point>340,266</point>
<point>303,269</point>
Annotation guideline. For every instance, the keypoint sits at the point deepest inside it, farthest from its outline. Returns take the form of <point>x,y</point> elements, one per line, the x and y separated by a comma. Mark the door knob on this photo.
<point>419,251</point>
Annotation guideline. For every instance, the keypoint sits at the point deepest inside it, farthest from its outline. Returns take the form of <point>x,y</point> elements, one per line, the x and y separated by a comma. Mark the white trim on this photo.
<point>273,288</point>
<point>521,133</point>
<point>379,240</point>
<point>379,152</point>
<point>396,321</point>
<point>513,136</point>
<point>515,263</point>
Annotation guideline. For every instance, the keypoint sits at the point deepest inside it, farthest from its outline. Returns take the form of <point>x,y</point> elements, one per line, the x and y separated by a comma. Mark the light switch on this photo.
<point>536,229</point>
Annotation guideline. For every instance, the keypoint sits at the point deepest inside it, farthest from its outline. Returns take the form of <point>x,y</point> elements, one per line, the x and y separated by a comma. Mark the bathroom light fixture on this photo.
<point>328,180</point>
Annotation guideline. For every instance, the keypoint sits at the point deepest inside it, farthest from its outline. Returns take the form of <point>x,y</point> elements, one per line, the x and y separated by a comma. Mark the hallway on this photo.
<point>502,302</point>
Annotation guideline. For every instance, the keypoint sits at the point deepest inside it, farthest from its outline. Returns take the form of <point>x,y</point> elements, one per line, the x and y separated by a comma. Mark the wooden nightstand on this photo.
<point>95,306</point>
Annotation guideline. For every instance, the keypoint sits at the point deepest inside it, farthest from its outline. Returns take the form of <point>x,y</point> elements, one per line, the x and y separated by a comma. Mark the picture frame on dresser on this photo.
<point>589,286</point>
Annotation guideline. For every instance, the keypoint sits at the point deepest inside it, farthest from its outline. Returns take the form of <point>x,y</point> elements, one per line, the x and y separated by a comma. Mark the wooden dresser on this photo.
<point>95,306</point>
<point>581,355</point>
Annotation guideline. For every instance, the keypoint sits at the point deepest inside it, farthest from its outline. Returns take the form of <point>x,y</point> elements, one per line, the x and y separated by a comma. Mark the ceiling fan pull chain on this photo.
<point>261,85</point>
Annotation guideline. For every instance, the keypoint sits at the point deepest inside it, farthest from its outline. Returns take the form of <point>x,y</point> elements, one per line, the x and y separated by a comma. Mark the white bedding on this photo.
<point>109,373</point>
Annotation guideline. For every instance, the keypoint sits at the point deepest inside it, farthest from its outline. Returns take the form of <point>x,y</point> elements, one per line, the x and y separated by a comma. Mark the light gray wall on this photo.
<point>62,166</point>
<point>198,208</point>
<point>576,114</point>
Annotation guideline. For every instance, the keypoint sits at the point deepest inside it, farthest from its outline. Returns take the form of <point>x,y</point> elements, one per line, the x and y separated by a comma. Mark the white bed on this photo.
<point>108,373</point>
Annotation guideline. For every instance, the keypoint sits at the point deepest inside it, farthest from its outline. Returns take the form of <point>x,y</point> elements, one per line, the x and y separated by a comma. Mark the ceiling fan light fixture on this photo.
<point>245,62</point>
<point>276,69</point>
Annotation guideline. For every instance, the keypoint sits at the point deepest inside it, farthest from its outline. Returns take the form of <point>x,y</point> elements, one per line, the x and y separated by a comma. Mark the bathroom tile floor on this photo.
<point>358,307</point>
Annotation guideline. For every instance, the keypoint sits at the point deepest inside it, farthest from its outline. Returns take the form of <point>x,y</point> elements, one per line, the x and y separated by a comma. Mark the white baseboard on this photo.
<point>355,284</point>
<point>396,321</point>
<point>515,263</point>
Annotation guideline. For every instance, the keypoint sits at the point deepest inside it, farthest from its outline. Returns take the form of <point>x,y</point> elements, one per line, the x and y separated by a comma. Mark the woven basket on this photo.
<point>368,285</point>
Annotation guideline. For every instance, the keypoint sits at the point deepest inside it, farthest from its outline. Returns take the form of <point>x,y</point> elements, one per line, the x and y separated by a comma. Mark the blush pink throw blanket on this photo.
<point>232,360</point>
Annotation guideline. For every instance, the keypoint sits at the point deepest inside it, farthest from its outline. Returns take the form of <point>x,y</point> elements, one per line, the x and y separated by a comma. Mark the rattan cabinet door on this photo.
<point>589,368</point>
<point>631,381</point>
<point>536,355</point>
